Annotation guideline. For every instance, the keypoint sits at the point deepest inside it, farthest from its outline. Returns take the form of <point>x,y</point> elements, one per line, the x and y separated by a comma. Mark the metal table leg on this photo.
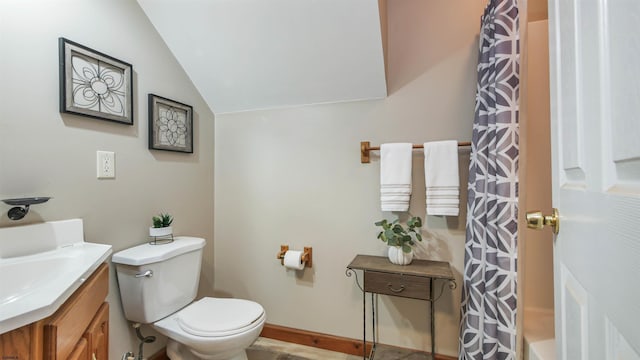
<point>433,320</point>
<point>374,300</point>
<point>364,325</point>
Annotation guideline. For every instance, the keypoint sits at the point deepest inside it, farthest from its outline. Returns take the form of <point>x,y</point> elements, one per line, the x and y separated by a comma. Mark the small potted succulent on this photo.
<point>400,239</point>
<point>161,225</point>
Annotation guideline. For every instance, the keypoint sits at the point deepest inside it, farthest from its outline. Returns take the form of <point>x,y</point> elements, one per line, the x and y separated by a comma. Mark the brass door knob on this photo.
<point>535,220</point>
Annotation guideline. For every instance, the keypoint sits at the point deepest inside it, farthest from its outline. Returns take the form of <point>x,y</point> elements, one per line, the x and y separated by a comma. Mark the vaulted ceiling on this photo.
<point>258,54</point>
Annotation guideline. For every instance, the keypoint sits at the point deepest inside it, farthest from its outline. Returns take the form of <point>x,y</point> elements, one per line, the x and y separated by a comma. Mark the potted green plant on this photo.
<point>161,225</point>
<point>400,239</point>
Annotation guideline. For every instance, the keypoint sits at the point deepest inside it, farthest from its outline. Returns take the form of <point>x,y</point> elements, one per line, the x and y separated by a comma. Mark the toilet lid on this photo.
<point>219,317</point>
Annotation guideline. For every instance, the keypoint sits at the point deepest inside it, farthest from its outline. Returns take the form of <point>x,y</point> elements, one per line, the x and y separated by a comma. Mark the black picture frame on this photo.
<point>170,125</point>
<point>94,84</point>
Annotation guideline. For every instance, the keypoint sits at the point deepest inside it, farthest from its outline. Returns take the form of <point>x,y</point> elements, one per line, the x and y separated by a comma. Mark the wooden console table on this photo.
<point>413,281</point>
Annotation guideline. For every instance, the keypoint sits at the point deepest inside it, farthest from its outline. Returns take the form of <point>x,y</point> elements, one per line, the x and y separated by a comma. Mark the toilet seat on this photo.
<point>218,317</point>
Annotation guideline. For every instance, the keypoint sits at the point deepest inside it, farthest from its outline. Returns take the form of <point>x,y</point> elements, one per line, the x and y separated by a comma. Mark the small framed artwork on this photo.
<point>170,125</point>
<point>94,84</point>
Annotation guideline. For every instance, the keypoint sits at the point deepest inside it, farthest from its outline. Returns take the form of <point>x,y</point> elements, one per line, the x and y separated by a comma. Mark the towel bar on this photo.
<point>365,148</point>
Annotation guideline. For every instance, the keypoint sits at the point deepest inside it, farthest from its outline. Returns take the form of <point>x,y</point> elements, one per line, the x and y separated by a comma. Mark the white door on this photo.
<point>595,124</point>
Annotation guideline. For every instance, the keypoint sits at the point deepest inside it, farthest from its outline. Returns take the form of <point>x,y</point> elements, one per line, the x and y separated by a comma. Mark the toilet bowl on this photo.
<point>213,328</point>
<point>158,284</point>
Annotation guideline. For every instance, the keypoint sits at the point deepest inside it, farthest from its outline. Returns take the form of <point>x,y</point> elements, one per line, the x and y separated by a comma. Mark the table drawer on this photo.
<point>409,286</point>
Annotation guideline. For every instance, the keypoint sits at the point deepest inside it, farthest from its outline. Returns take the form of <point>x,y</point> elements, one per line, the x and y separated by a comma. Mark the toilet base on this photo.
<point>177,351</point>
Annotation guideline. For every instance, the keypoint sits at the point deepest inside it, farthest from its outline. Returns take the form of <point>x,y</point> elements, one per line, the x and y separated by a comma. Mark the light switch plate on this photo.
<point>106,164</point>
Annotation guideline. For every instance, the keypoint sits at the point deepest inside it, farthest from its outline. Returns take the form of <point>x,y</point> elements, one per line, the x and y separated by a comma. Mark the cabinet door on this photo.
<point>97,334</point>
<point>81,351</point>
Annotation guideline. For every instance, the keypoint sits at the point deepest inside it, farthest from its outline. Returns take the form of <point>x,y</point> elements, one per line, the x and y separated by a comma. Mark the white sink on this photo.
<point>41,265</point>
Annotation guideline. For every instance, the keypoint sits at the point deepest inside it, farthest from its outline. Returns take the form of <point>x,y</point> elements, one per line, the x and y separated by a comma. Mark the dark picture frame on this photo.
<point>170,125</point>
<point>94,84</point>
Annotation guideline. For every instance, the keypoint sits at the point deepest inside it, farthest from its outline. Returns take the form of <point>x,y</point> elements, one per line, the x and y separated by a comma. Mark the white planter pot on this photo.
<point>157,232</point>
<point>399,257</point>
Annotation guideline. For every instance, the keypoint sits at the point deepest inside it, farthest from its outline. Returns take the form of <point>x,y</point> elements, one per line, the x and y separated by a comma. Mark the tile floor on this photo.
<point>269,349</point>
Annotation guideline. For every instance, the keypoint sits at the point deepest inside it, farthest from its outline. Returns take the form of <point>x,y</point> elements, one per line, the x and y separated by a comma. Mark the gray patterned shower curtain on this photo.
<point>488,322</point>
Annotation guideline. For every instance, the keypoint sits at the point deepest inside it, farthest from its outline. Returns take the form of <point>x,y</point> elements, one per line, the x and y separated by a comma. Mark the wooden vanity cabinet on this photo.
<point>81,351</point>
<point>94,344</point>
<point>22,343</point>
<point>97,334</point>
<point>78,330</point>
<point>80,317</point>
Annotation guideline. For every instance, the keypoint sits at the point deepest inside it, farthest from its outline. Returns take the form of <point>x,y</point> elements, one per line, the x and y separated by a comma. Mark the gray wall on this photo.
<point>45,153</point>
<point>293,176</point>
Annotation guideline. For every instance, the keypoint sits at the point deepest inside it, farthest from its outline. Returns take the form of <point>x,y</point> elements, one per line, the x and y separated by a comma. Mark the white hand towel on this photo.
<point>395,176</point>
<point>395,197</point>
<point>441,177</point>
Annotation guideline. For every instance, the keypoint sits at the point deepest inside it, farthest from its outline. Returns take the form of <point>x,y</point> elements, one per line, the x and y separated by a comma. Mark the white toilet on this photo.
<point>157,286</point>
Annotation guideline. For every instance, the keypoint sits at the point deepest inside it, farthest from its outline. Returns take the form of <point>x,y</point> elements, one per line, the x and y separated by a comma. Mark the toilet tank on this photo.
<point>158,280</point>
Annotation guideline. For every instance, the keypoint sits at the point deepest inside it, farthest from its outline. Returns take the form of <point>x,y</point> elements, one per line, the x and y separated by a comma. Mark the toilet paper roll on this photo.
<point>293,260</point>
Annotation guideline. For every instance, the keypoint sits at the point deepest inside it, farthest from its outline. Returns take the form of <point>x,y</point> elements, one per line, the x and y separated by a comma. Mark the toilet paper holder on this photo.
<point>307,257</point>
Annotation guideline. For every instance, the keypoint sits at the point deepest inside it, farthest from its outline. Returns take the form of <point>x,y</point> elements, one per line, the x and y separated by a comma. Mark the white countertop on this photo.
<point>41,265</point>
